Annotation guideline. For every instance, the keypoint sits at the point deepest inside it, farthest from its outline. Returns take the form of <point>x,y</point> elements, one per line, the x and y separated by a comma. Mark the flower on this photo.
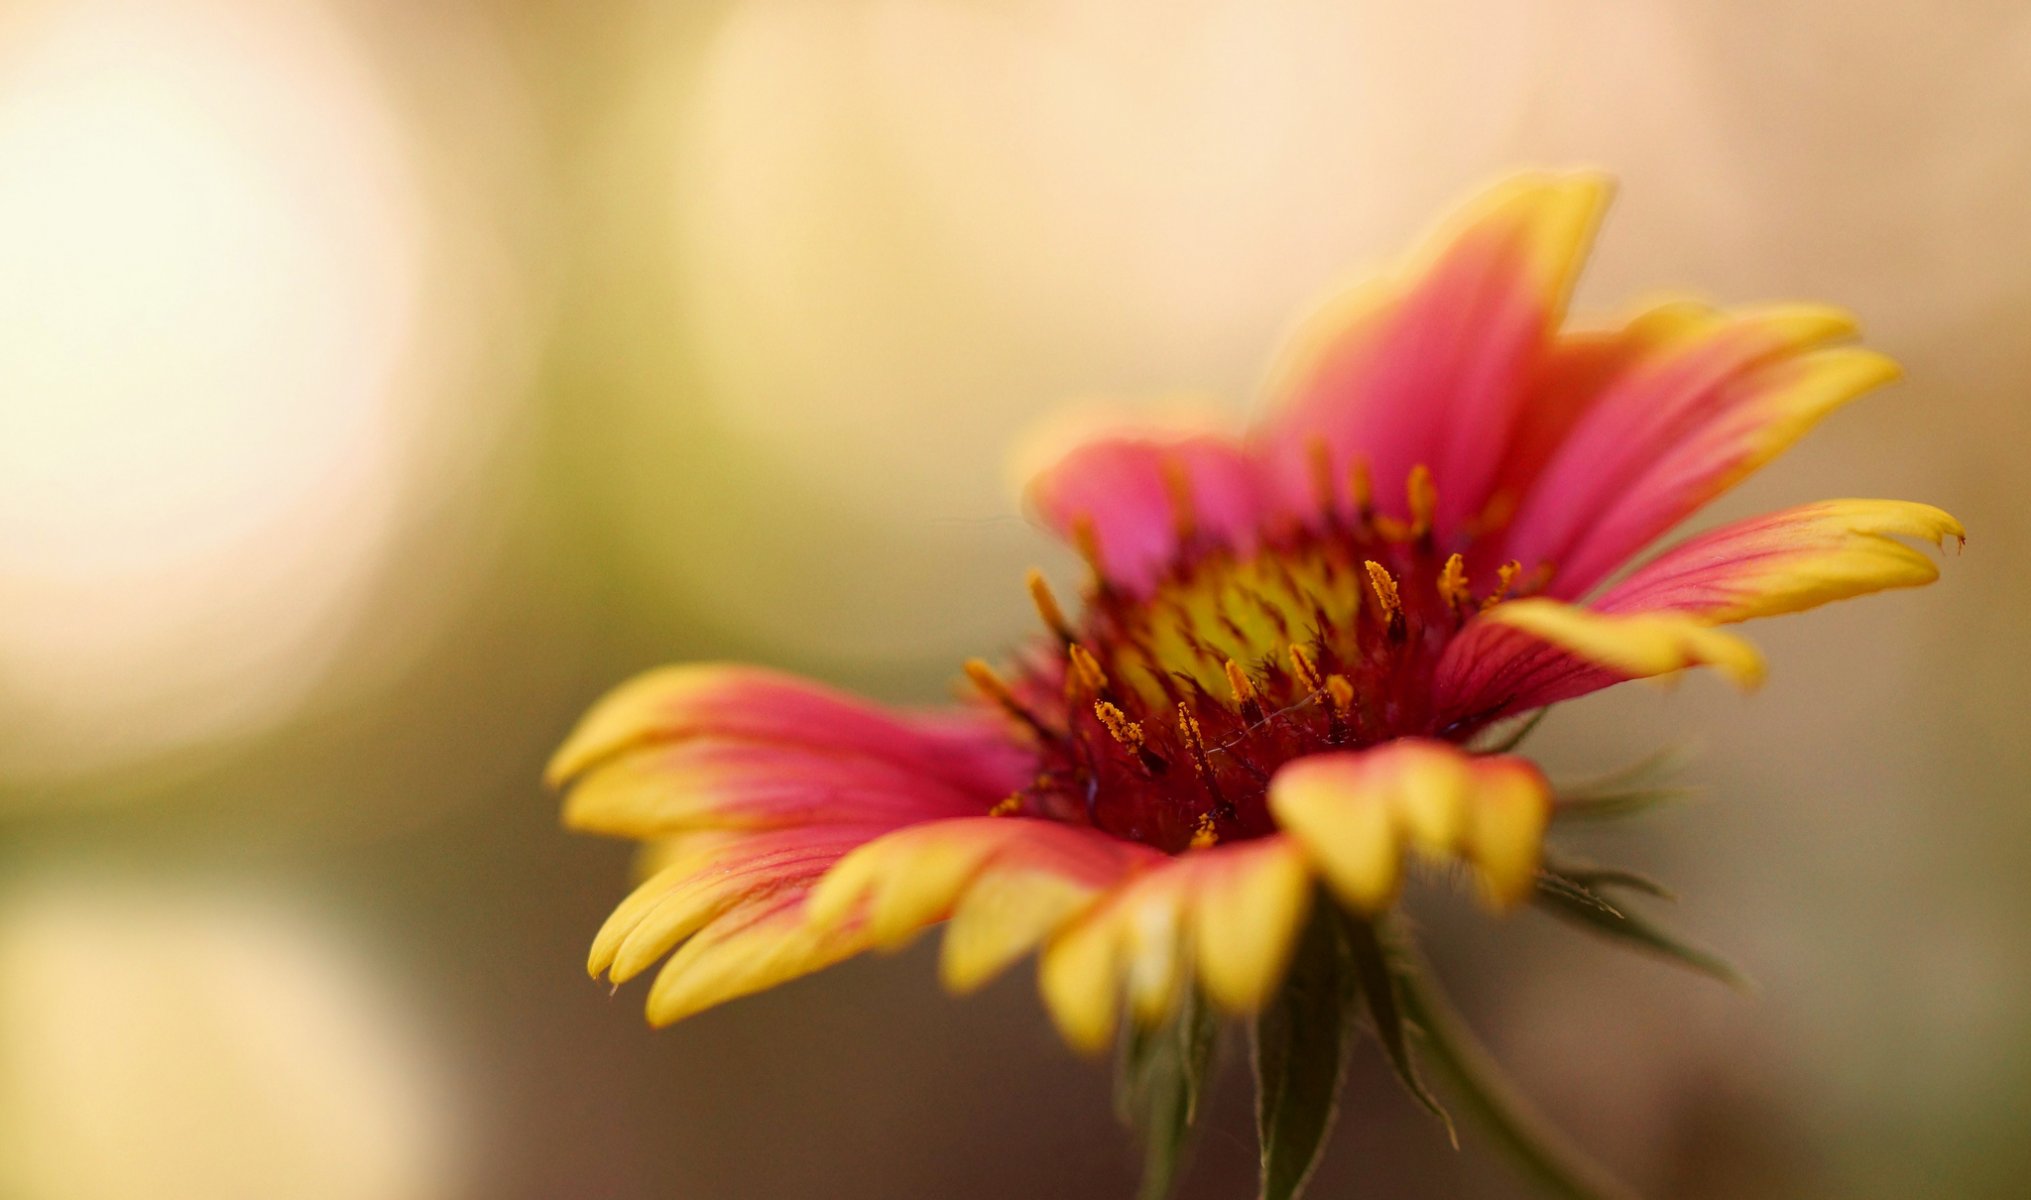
<point>1287,662</point>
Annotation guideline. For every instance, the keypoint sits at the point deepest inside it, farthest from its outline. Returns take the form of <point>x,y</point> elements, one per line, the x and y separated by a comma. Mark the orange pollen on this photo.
<point>1341,692</point>
<point>1238,681</point>
<point>1123,730</point>
<point>1453,583</point>
<point>1504,576</point>
<point>1305,669</point>
<point>1384,586</point>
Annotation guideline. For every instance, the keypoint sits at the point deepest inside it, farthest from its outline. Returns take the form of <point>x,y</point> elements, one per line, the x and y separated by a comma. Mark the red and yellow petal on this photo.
<point>721,747</point>
<point>1790,561</point>
<point>1687,403</point>
<point>706,877</point>
<point>1358,813</point>
<point>1525,654</point>
<point>1131,501</point>
<point>722,783</point>
<point>1228,915</point>
<point>1006,883</point>
<point>1433,366</point>
<point>712,700</point>
<point>758,944</point>
<point>728,910</point>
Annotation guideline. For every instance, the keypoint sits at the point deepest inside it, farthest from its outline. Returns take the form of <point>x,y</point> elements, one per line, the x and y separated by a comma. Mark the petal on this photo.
<point>708,700</point>
<point>1525,654</point>
<point>1248,905</point>
<point>758,944</point>
<point>1789,561</point>
<point>1691,402</point>
<point>1228,913</point>
<point>1140,497</point>
<point>723,783</point>
<point>916,877</point>
<point>1432,366</point>
<point>707,878</point>
<point>1356,813</point>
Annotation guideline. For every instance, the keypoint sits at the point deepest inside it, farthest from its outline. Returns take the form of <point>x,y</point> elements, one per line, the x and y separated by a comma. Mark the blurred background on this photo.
<point>379,382</point>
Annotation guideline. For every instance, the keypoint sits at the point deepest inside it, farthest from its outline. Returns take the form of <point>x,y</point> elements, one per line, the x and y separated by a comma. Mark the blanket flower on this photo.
<point>1278,685</point>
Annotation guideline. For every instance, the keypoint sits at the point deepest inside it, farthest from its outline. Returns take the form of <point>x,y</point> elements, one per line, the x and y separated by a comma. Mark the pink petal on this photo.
<point>1141,498</point>
<point>1788,561</point>
<point>707,878</point>
<point>1525,654</point>
<point>739,783</point>
<point>971,752</point>
<point>1433,367</point>
<point>1693,401</point>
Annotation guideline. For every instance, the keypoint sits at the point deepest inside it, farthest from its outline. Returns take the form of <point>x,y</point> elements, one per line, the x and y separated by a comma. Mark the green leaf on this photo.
<point>1572,900</point>
<point>1163,1071</point>
<point>1377,983</point>
<point>1554,1164</point>
<point>1301,1046</point>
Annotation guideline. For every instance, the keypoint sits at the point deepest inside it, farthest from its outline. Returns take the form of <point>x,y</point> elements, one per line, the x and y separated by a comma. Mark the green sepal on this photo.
<point>1162,1074</point>
<point>1514,735</point>
<point>1499,1110</point>
<point>1377,982</point>
<point>1301,1046</point>
<point>1632,790</point>
<point>1572,899</point>
<point>1600,880</point>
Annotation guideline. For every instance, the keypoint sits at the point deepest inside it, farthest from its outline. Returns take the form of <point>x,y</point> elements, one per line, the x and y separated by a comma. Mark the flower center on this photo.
<point>1161,717</point>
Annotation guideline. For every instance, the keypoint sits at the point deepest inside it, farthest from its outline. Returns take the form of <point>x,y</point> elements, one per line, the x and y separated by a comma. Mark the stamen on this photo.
<point>1129,734</point>
<point>1195,743</point>
<point>991,685</point>
<point>1178,486</point>
<point>1361,488</point>
<point>1007,806</point>
<point>1341,692</point>
<point>1504,576</point>
<point>1320,458</point>
<point>1423,497</point>
<point>1188,729</point>
<point>1244,692</point>
<point>1384,585</point>
<point>1203,834</point>
<point>1086,540</point>
<point>1244,688</point>
<point>1125,731</point>
<point>1087,668</point>
<point>1453,587</point>
<point>1496,513</point>
<point>1047,606</point>
<point>1306,670</point>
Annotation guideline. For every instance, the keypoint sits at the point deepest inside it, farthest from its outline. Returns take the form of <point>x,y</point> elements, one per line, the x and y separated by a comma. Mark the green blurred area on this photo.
<point>718,326</point>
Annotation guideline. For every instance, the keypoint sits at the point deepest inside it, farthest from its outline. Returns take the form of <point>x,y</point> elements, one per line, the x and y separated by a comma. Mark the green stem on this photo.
<point>1542,1152</point>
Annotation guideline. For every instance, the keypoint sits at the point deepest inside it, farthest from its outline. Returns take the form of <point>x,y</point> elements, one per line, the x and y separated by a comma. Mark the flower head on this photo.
<point>1281,670</point>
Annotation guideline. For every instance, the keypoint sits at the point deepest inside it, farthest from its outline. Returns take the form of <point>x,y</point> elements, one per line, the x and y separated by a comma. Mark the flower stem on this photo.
<point>1539,1150</point>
